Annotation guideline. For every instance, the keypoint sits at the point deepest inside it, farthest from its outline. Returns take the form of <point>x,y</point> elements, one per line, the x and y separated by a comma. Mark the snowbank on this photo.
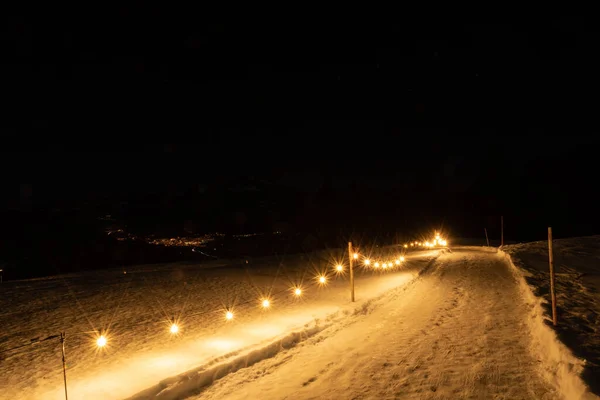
<point>192,381</point>
<point>559,364</point>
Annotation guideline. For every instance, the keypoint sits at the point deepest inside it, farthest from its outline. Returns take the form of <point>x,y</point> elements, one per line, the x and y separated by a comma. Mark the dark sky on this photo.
<point>434,120</point>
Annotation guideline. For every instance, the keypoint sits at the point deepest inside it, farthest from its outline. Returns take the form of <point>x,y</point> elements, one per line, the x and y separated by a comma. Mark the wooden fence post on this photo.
<point>351,259</point>
<point>486,237</point>
<point>64,362</point>
<point>551,260</point>
<point>501,231</point>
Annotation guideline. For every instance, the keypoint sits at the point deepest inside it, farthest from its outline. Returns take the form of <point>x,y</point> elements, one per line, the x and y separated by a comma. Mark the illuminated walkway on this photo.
<point>458,331</point>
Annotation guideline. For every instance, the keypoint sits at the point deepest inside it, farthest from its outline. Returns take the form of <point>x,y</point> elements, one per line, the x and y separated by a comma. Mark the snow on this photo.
<point>462,323</point>
<point>142,358</point>
<point>460,330</point>
<point>577,271</point>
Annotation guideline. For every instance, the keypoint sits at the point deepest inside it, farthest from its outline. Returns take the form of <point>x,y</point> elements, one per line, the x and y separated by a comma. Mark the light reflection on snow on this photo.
<point>222,344</point>
<point>265,331</point>
<point>164,362</point>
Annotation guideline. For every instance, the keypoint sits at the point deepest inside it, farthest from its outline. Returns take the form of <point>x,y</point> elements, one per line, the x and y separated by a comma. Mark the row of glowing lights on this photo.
<point>385,265</point>
<point>321,279</point>
<point>101,341</point>
<point>174,327</point>
<point>438,241</point>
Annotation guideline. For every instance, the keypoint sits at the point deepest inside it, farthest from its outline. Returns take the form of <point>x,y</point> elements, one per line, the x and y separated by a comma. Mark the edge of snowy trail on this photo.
<point>196,380</point>
<point>560,367</point>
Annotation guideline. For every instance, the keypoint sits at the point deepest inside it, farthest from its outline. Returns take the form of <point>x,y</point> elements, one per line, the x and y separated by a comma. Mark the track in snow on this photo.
<point>458,331</point>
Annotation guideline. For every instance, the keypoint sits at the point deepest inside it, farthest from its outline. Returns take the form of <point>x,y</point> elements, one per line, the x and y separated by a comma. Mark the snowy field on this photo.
<point>134,310</point>
<point>577,268</point>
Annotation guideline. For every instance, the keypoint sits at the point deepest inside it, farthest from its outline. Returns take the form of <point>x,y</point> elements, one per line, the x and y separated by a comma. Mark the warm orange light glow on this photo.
<point>367,262</point>
<point>384,266</point>
<point>298,291</point>
<point>101,341</point>
<point>397,262</point>
<point>229,315</point>
<point>376,265</point>
<point>339,268</point>
<point>322,279</point>
<point>174,328</point>
<point>401,258</point>
<point>266,303</point>
<point>405,246</point>
<point>355,256</point>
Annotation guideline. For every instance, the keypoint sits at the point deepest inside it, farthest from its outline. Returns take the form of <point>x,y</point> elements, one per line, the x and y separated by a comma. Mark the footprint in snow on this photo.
<point>311,380</point>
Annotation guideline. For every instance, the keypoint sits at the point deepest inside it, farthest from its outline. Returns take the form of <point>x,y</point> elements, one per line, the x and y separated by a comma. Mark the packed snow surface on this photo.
<point>460,330</point>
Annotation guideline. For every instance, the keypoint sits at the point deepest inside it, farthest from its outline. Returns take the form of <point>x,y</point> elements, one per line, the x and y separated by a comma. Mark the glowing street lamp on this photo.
<point>322,279</point>
<point>339,268</point>
<point>266,303</point>
<point>297,291</point>
<point>376,265</point>
<point>367,262</point>
<point>401,258</point>
<point>174,329</point>
<point>229,315</point>
<point>355,256</point>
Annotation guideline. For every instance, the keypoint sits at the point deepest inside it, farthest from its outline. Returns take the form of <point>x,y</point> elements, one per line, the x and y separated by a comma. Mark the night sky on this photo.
<point>363,127</point>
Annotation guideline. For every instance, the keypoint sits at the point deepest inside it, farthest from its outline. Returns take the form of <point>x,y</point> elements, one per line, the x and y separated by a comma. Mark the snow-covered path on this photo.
<point>458,331</point>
